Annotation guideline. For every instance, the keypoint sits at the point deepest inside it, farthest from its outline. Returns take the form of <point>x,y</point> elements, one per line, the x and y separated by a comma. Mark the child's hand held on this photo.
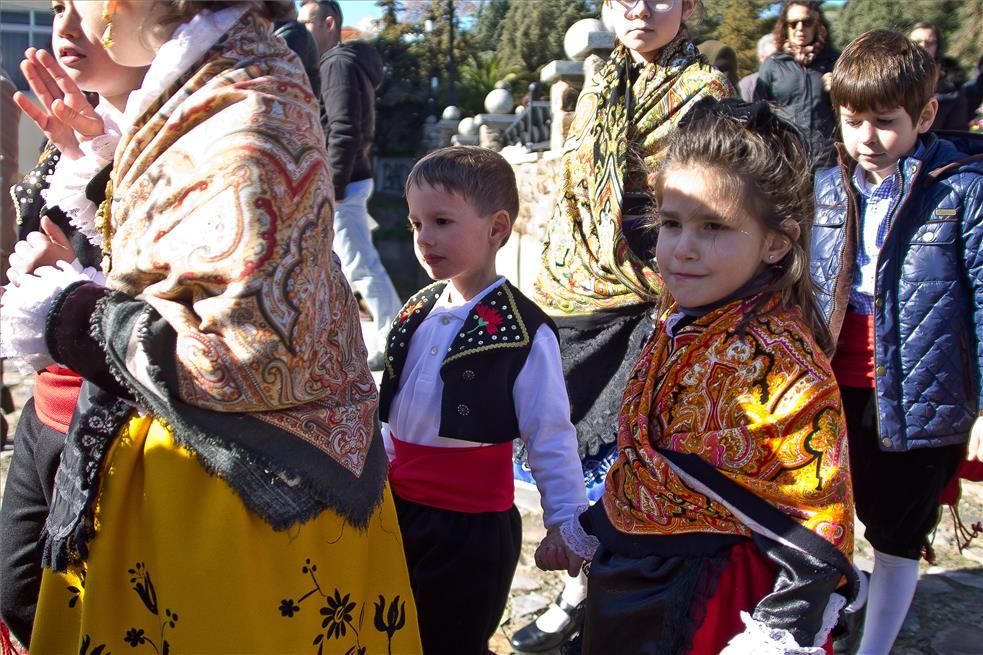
<point>37,249</point>
<point>554,555</point>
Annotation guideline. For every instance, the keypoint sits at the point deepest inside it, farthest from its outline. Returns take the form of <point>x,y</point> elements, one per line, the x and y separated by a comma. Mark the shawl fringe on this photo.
<point>291,485</point>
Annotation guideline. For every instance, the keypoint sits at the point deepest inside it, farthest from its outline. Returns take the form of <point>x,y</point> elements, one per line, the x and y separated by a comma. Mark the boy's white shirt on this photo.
<point>540,397</point>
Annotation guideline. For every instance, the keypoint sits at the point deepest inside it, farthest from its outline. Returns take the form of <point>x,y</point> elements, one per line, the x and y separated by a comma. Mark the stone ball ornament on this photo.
<point>467,127</point>
<point>576,37</point>
<point>499,101</point>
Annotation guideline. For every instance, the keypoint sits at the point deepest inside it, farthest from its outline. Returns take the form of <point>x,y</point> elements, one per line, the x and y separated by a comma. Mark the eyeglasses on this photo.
<point>805,23</point>
<point>655,6</point>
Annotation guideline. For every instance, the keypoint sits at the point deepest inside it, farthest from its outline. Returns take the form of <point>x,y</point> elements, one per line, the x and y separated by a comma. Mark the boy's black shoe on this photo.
<point>531,639</point>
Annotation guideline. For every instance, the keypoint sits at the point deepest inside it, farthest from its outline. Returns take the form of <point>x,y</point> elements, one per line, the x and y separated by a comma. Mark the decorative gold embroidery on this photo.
<point>473,320</point>
<point>104,225</point>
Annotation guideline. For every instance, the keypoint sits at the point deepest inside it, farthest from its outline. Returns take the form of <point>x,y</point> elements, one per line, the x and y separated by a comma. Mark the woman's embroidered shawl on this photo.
<point>587,265</point>
<point>758,402</point>
<point>221,221</point>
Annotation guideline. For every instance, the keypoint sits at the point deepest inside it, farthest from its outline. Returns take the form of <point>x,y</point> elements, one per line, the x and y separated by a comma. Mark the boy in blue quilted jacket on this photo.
<point>898,263</point>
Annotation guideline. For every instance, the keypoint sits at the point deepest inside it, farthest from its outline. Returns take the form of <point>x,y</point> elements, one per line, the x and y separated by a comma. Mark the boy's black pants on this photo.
<point>461,568</point>
<point>897,494</point>
<point>26,500</point>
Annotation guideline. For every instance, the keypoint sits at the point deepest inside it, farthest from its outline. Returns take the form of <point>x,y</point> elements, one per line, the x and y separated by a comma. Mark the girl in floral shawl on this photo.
<point>596,280</point>
<point>222,488</point>
<point>726,522</point>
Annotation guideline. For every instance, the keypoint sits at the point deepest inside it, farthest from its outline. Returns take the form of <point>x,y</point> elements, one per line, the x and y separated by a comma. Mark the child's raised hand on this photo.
<point>65,114</point>
<point>975,450</point>
<point>37,249</point>
<point>552,554</point>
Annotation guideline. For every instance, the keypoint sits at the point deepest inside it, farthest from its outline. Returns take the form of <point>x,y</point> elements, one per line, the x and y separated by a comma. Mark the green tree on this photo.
<point>959,21</point>
<point>479,74</point>
<point>740,28</point>
<point>965,43</point>
<point>401,100</point>
<point>489,22</point>
<point>532,32</point>
<point>390,12</point>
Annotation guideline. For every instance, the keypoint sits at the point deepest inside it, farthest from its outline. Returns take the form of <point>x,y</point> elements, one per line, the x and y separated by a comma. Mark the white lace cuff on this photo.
<point>759,639</point>
<point>581,543</point>
<point>25,311</point>
<point>66,185</point>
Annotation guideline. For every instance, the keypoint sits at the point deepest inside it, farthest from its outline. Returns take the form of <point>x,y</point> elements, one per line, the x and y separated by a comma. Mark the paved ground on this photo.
<point>945,619</point>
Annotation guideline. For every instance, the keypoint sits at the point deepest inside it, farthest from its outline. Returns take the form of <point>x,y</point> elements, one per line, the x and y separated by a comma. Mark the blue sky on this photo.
<point>357,10</point>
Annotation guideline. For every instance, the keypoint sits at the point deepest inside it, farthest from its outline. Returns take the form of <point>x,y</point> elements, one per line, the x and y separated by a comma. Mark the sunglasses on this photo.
<point>805,23</point>
<point>655,6</point>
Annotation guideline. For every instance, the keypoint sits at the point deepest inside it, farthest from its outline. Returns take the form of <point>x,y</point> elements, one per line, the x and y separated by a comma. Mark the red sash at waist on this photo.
<point>470,480</point>
<point>853,364</point>
<point>56,391</point>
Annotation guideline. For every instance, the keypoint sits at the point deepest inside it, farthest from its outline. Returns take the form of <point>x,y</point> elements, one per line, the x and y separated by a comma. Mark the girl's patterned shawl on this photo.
<point>618,132</point>
<point>221,222</point>
<point>757,400</point>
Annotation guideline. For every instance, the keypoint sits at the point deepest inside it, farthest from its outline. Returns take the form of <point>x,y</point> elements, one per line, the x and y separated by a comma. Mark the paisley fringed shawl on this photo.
<point>758,402</point>
<point>587,264</point>
<point>231,318</point>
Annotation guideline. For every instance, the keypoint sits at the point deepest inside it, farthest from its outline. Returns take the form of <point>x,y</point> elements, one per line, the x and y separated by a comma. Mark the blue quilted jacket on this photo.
<point>928,303</point>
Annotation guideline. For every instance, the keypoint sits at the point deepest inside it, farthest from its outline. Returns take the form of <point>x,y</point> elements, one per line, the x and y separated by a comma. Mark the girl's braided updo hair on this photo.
<point>763,166</point>
<point>180,11</point>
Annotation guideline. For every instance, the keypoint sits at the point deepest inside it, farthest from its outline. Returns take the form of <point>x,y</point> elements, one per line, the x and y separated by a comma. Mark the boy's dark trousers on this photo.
<point>26,500</point>
<point>896,493</point>
<point>461,568</point>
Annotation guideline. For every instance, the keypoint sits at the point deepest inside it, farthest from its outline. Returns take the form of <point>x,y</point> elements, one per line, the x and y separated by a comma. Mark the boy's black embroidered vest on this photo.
<point>480,367</point>
<point>30,205</point>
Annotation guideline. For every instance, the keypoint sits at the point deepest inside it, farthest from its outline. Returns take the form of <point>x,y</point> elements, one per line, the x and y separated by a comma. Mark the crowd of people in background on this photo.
<point>742,336</point>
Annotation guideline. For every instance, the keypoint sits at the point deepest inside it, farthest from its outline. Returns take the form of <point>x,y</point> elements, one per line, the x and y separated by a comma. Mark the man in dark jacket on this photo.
<point>302,43</point>
<point>350,73</point>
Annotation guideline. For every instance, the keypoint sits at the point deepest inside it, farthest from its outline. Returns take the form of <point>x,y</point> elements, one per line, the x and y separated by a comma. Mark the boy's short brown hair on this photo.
<point>481,176</point>
<point>881,70</point>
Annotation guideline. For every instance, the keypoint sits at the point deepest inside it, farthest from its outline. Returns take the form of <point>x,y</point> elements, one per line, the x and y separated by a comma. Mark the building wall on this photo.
<point>538,182</point>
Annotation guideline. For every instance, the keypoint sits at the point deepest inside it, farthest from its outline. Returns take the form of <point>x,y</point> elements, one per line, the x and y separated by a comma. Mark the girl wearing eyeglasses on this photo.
<point>796,77</point>
<point>597,281</point>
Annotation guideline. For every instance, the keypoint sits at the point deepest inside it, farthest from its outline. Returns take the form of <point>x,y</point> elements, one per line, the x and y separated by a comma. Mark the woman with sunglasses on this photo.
<point>796,77</point>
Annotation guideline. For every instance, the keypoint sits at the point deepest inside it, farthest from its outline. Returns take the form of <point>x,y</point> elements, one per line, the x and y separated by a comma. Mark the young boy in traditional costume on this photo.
<point>597,281</point>
<point>471,365</point>
<point>222,488</point>
<point>727,518</point>
<point>897,256</point>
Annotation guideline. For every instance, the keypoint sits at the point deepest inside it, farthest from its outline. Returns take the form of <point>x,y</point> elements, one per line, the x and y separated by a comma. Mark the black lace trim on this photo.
<point>71,521</point>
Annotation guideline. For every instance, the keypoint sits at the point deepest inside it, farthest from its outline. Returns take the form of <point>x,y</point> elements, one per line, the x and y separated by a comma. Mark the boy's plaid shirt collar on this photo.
<point>878,203</point>
<point>889,187</point>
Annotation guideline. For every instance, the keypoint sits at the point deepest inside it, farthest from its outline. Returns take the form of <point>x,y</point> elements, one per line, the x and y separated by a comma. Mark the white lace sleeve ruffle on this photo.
<point>66,185</point>
<point>25,311</point>
<point>759,639</point>
<point>581,543</point>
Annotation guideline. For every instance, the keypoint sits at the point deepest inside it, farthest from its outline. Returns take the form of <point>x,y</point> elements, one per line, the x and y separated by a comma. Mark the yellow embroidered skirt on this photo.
<point>178,565</point>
